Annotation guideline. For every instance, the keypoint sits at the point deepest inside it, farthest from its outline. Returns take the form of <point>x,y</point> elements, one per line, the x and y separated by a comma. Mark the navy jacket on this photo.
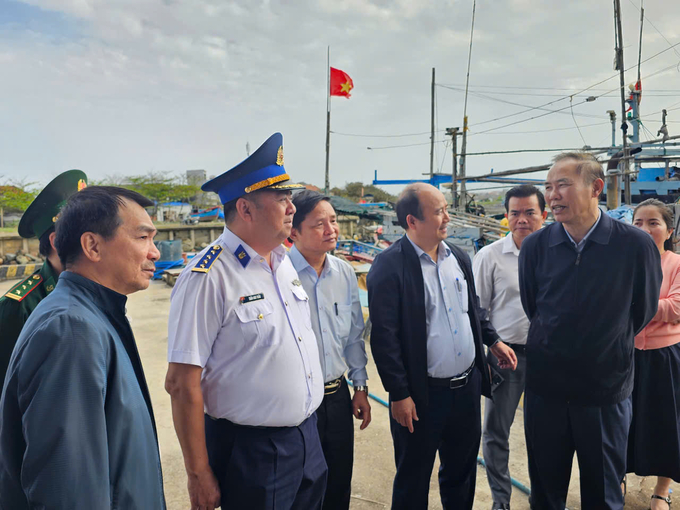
<point>76,424</point>
<point>586,310</point>
<point>396,301</point>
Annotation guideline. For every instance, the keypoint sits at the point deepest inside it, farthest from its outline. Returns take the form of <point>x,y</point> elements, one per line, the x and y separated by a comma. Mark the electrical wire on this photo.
<point>571,107</point>
<point>541,130</point>
<point>383,136</point>
<point>530,108</point>
<point>654,27</point>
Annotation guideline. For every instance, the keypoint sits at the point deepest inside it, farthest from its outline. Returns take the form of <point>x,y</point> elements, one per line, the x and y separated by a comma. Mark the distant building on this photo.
<point>196,177</point>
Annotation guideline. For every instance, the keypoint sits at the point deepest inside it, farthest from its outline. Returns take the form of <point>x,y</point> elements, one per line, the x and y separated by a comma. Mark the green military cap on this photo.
<point>44,210</point>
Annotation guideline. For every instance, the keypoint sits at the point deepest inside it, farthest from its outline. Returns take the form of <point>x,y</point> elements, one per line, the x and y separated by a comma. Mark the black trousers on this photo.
<point>598,435</point>
<point>450,425</point>
<point>336,432</point>
<point>268,468</point>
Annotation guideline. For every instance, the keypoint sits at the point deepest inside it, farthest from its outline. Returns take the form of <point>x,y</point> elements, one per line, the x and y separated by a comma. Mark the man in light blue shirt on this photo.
<point>338,323</point>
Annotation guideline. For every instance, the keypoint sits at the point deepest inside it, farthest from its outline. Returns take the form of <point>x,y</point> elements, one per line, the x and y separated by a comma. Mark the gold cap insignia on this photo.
<point>81,184</point>
<point>279,156</point>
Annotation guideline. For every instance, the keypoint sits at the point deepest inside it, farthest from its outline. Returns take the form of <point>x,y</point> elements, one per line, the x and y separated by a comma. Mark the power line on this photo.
<point>534,94</point>
<point>566,97</point>
<point>504,87</point>
<point>515,104</point>
<point>542,130</point>
<point>571,107</point>
<point>406,145</point>
<point>383,136</point>
<point>654,27</point>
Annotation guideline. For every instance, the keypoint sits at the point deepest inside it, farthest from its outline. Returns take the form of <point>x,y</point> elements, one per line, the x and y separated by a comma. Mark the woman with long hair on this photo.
<point>654,440</point>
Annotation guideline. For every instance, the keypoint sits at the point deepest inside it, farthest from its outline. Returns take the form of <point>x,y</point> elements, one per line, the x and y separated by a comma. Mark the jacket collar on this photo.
<point>600,235</point>
<point>103,297</point>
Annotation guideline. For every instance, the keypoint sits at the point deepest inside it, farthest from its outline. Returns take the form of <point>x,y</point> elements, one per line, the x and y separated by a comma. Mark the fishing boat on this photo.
<point>212,214</point>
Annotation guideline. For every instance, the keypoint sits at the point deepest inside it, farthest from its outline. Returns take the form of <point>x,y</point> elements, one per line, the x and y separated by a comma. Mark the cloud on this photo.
<point>123,86</point>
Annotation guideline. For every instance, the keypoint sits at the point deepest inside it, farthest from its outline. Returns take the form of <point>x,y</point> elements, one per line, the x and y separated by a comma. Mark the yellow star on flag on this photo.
<point>346,87</point>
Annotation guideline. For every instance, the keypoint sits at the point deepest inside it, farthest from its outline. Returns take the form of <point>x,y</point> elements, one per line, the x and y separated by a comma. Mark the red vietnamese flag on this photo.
<point>341,83</point>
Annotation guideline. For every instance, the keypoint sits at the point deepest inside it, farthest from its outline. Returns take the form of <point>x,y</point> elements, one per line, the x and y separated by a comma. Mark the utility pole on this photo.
<point>453,133</point>
<point>613,173</point>
<point>463,191</point>
<point>461,173</point>
<point>432,128</point>
<point>624,125</point>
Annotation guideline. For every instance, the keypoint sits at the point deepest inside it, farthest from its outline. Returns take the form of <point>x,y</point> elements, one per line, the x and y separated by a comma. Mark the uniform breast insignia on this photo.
<point>242,255</point>
<point>24,288</point>
<point>208,259</point>
<point>249,299</point>
<point>296,282</point>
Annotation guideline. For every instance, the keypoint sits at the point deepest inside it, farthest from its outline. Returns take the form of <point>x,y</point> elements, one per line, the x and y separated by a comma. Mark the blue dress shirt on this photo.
<point>337,319</point>
<point>450,343</point>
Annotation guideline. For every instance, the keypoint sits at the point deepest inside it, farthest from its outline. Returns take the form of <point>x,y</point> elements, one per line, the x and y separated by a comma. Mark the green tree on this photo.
<point>356,190</point>
<point>15,196</point>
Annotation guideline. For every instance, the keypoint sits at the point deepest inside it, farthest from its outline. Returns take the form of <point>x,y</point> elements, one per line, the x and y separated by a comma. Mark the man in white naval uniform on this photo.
<point>244,373</point>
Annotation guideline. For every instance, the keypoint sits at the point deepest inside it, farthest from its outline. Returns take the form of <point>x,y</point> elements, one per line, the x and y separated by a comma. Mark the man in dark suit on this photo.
<point>427,342</point>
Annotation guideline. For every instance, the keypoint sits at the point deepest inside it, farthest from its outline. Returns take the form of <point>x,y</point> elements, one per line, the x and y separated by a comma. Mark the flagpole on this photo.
<point>327,186</point>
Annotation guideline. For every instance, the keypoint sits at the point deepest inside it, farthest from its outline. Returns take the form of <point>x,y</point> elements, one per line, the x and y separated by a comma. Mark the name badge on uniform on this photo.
<point>249,299</point>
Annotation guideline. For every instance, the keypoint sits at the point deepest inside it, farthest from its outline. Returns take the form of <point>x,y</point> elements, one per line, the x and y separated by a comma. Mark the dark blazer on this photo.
<point>396,300</point>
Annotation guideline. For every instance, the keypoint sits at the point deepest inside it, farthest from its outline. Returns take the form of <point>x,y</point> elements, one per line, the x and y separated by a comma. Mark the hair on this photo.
<point>666,216</point>
<point>524,191</point>
<point>408,203</point>
<point>305,202</point>
<point>45,247</point>
<point>230,211</point>
<point>587,165</point>
<point>94,209</point>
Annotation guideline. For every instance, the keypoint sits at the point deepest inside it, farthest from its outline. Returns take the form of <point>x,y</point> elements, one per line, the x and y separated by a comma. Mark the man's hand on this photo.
<point>361,409</point>
<point>404,411</point>
<point>505,355</point>
<point>204,491</point>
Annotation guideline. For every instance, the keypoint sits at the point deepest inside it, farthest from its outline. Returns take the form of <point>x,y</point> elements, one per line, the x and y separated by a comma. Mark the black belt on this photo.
<point>518,347</point>
<point>228,423</point>
<point>332,386</point>
<point>452,383</point>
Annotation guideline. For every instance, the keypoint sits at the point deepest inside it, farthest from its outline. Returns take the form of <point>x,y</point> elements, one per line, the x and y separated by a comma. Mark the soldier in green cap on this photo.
<point>38,221</point>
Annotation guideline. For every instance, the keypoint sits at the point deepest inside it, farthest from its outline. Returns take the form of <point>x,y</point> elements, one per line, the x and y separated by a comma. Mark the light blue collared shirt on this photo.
<point>337,319</point>
<point>579,246</point>
<point>450,342</point>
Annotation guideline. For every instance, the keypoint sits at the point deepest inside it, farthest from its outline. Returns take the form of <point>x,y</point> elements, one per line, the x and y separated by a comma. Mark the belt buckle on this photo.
<point>458,382</point>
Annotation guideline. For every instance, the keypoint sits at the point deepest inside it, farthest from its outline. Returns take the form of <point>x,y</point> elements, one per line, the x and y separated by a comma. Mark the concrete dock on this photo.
<point>374,462</point>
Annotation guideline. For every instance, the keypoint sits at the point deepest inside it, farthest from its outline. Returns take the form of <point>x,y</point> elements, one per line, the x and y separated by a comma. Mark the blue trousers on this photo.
<point>450,425</point>
<point>598,435</point>
<point>267,468</point>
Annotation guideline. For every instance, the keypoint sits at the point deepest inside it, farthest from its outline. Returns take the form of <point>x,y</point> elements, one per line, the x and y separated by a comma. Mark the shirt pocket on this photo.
<point>255,320</point>
<point>302,300</point>
<point>343,320</point>
<point>462,294</point>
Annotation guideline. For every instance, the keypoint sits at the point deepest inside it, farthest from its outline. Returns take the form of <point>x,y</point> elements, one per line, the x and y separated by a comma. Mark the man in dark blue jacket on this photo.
<point>588,284</point>
<point>428,340</point>
<point>76,425</point>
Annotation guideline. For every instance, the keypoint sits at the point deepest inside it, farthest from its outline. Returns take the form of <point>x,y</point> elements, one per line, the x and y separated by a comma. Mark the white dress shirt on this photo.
<point>337,319</point>
<point>496,269</point>
<point>450,342</point>
<point>259,355</point>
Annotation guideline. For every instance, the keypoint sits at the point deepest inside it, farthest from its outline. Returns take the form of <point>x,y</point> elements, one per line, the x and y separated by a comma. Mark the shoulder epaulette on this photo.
<point>24,287</point>
<point>208,259</point>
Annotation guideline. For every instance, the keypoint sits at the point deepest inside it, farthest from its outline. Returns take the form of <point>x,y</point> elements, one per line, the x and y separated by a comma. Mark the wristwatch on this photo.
<point>361,388</point>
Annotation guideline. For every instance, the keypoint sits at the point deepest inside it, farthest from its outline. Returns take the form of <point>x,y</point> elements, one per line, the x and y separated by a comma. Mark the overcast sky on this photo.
<point>124,87</point>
